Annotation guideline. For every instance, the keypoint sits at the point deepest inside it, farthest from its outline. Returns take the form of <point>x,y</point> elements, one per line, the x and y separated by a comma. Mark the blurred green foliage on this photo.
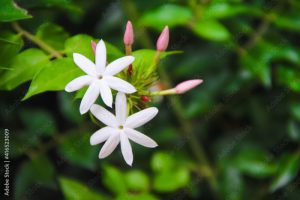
<point>246,114</point>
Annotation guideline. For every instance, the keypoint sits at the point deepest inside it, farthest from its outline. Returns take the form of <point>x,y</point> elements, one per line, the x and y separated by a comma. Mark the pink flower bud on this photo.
<point>163,40</point>
<point>128,35</point>
<point>145,99</point>
<point>187,85</point>
<point>94,45</point>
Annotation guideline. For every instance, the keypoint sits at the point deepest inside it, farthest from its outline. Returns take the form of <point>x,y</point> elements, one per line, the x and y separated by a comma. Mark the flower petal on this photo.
<point>126,149</point>
<point>110,145</point>
<point>104,116</point>
<point>121,107</point>
<point>119,84</point>
<point>100,57</point>
<point>118,65</point>
<point>89,97</point>
<point>106,94</point>
<point>78,83</point>
<point>85,64</point>
<point>102,135</point>
<point>140,118</point>
<point>140,138</point>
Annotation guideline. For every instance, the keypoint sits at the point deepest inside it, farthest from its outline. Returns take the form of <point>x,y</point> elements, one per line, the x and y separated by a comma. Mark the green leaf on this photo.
<point>79,44</point>
<point>82,44</point>
<point>289,77</point>
<point>287,171</point>
<point>54,77</point>
<point>291,21</point>
<point>169,176</point>
<point>76,148</point>
<point>259,59</point>
<point>162,161</point>
<point>56,74</point>
<point>231,184</point>
<point>23,68</point>
<point>167,15</point>
<point>53,35</point>
<point>295,110</point>
<point>211,30</point>
<point>258,67</point>
<point>137,181</point>
<point>254,162</point>
<point>39,171</point>
<point>114,180</point>
<point>143,196</point>
<point>10,45</point>
<point>69,110</point>
<point>10,11</point>
<point>294,130</point>
<point>38,122</point>
<point>172,180</point>
<point>224,10</point>
<point>144,59</point>
<point>73,189</point>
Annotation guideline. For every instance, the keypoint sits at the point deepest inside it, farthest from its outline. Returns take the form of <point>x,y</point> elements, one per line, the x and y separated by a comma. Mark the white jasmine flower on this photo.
<point>100,78</point>
<point>120,128</point>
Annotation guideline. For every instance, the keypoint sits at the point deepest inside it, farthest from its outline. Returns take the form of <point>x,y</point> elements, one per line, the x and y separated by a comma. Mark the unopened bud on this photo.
<point>187,85</point>
<point>145,99</point>
<point>128,35</point>
<point>163,40</point>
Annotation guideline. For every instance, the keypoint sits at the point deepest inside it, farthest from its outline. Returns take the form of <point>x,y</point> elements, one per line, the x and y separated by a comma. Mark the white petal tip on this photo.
<point>154,145</point>
<point>108,104</point>
<point>75,54</point>
<point>101,155</point>
<point>92,141</point>
<point>132,58</point>
<point>154,110</point>
<point>133,90</point>
<point>67,89</point>
<point>101,42</point>
<point>83,110</point>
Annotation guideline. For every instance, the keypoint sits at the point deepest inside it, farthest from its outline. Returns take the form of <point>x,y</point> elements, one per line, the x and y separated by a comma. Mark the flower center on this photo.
<point>100,77</point>
<point>120,127</point>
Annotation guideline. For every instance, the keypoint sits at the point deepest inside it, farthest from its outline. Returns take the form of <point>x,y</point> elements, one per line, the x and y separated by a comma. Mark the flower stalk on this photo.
<point>161,46</point>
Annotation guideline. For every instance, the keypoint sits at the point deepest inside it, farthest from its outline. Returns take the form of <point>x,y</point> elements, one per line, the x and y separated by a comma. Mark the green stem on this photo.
<point>196,147</point>
<point>128,49</point>
<point>36,40</point>
<point>163,92</point>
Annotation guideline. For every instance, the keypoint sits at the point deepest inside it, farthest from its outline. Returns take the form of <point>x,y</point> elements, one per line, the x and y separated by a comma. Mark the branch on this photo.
<point>36,40</point>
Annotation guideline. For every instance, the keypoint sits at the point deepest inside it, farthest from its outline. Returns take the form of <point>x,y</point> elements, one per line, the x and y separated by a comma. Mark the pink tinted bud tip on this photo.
<point>128,35</point>
<point>94,45</point>
<point>145,99</point>
<point>163,40</point>
<point>187,85</point>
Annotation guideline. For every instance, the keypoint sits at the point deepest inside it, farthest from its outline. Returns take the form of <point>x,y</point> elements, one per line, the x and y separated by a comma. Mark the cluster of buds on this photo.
<point>161,46</point>
<point>133,87</point>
